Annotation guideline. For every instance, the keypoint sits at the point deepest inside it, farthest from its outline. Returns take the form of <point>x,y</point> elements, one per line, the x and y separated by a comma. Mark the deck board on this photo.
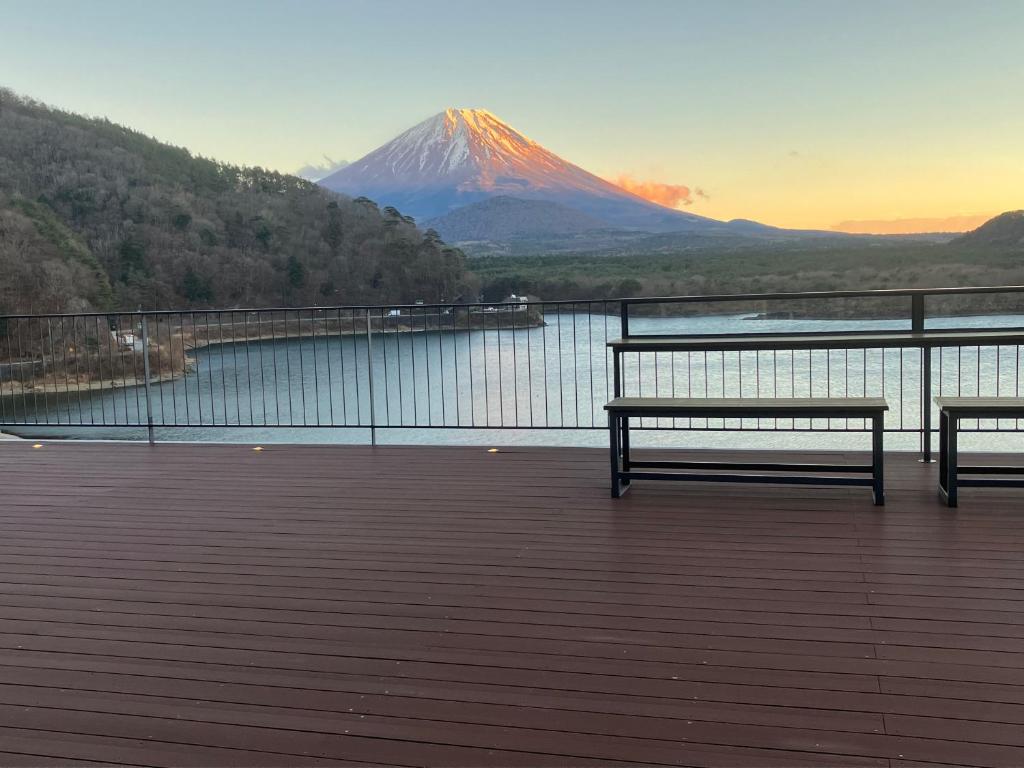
<point>210,605</point>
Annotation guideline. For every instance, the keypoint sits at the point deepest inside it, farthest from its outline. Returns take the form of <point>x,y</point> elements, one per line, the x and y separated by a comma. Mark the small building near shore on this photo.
<point>127,340</point>
<point>520,302</point>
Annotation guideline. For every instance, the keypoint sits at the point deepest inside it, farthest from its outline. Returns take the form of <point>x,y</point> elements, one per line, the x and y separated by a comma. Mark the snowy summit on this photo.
<point>463,156</point>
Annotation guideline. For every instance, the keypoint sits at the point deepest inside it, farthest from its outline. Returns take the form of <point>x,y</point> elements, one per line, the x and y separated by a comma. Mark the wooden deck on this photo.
<point>212,605</point>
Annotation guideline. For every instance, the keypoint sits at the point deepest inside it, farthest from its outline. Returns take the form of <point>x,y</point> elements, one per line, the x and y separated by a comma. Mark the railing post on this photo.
<point>369,374</point>
<point>917,313</point>
<point>917,326</point>
<point>145,369</point>
<point>926,404</point>
<point>624,318</point>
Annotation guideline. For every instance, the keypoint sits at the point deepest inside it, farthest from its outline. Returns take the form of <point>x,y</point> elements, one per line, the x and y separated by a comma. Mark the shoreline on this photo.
<point>96,385</point>
<point>53,387</point>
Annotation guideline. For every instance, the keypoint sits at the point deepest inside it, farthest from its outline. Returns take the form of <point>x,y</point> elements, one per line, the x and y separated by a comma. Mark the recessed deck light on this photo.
<point>492,450</point>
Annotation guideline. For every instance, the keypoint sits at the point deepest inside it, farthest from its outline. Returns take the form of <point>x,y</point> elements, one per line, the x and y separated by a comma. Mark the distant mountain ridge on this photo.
<point>462,156</point>
<point>1003,231</point>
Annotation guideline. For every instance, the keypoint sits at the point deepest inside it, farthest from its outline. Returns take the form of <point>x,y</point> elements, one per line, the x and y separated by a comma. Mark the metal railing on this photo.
<point>901,310</point>
<point>511,365</point>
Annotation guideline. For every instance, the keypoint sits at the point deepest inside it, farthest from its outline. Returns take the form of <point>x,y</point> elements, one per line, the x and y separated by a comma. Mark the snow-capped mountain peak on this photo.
<point>462,156</point>
<point>456,143</point>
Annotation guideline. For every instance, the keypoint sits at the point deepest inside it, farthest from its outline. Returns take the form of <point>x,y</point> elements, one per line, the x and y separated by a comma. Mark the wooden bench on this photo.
<point>951,411</point>
<point>624,469</point>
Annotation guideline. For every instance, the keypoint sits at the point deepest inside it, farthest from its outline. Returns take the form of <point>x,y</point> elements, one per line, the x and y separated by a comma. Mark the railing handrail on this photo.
<point>915,314</point>
<point>796,295</point>
<point>376,308</point>
<point>627,301</point>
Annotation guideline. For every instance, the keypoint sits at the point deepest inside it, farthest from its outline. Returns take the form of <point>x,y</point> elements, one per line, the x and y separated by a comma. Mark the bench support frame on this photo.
<point>625,469</point>
<point>949,467</point>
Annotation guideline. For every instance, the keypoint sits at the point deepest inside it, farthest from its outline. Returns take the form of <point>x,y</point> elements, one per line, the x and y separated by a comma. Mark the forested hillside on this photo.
<point>1005,231</point>
<point>97,216</point>
<point>976,259</point>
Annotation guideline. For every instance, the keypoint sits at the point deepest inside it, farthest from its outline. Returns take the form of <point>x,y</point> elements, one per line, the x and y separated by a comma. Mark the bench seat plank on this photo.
<point>982,407</point>
<point>749,406</point>
<point>813,340</point>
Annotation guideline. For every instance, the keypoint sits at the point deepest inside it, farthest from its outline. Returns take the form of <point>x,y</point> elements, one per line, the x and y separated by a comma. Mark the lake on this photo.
<point>537,386</point>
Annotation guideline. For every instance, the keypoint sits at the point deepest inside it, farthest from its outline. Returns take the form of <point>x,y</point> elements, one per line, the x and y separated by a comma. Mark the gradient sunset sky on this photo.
<point>798,114</point>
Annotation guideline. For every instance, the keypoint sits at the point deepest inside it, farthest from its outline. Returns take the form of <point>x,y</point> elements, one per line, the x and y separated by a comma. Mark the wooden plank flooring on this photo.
<point>204,605</point>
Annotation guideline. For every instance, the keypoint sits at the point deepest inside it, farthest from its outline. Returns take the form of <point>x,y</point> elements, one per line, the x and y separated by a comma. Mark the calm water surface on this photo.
<point>550,381</point>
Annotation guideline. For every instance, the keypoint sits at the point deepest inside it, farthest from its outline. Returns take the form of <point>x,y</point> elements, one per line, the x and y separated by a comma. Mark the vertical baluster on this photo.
<point>454,310</point>
<point>262,366</point>
<point>370,377</point>
<point>501,371</point>
<point>440,368</point>
<point>302,363</point>
<point>355,366</point>
<point>316,364</point>
<point>590,360</point>
<point>470,366</point>
<point>544,347</point>
<point>387,378</point>
<point>529,362</point>
<point>481,350</point>
<point>575,370</point>
<point>147,380</point>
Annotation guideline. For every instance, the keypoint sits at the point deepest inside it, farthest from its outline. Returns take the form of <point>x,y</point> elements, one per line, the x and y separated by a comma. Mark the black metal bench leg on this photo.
<point>625,444</point>
<point>615,449</point>
<point>951,460</point>
<point>943,455</point>
<point>877,460</point>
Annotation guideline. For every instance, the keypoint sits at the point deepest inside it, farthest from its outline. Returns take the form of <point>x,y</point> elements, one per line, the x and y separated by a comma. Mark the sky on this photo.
<point>864,116</point>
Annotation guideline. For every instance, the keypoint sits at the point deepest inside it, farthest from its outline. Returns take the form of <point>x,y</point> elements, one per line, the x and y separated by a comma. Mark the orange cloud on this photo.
<point>669,195</point>
<point>911,226</point>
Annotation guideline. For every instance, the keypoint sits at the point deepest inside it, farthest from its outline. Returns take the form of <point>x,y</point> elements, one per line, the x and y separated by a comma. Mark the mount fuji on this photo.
<point>464,156</point>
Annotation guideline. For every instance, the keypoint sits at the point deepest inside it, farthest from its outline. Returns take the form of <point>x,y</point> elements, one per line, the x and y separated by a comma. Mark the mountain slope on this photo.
<point>505,218</point>
<point>1004,231</point>
<point>463,156</point>
<point>97,216</point>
